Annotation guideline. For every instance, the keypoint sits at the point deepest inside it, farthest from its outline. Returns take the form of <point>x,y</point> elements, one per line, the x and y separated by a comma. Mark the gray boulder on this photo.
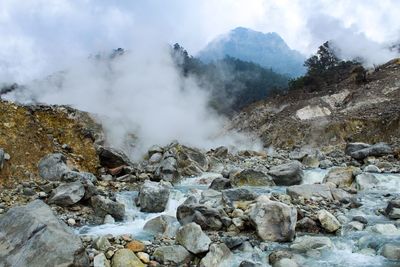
<point>391,251</point>
<point>340,176</point>
<point>306,243</point>
<point>100,260</point>
<point>73,176</point>
<point>365,181</point>
<point>168,170</point>
<point>229,196</point>
<point>393,209</point>
<point>377,150</point>
<point>328,221</point>
<point>274,221</point>
<point>32,236</point>
<point>251,177</point>
<point>193,238</point>
<point>218,255</point>
<point>287,174</point>
<point>164,225</point>
<point>208,218</point>
<point>112,158</point>
<point>353,147</point>
<point>67,194</point>
<point>220,184</point>
<point>53,166</point>
<point>176,255</point>
<point>103,206</point>
<point>308,191</point>
<point>153,197</point>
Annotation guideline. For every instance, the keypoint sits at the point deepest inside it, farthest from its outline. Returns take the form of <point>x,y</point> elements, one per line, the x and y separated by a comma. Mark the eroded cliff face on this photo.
<point>27,133</point>
<point>368,112</point>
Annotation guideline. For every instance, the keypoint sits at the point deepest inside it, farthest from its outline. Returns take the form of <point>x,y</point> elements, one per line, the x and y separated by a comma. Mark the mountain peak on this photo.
<point>267,49</point>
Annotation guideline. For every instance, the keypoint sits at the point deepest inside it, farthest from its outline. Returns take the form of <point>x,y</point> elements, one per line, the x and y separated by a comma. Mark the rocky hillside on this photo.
<point>27,133</point>
<point>345,111</point>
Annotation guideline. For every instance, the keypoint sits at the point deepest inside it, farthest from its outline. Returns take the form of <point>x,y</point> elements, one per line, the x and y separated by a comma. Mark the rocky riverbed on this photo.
<point>180,206</point>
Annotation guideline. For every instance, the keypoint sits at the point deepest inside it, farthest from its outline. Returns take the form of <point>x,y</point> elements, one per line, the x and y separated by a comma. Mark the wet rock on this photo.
<point>126,258</point>
<point>153,197</point>
<point>287,174</point>
<point>377,150</point>
<point>251,177</point>
<point>355,226</point>
<point>108,219</point>
<point>274,221</point>
<point>218,254</point>
<point>328,221</point>
<point>193,238</point>
<point>365,181</point>
<point>393,209</point>
<point>220,184</point>
<point>208,218</point>
<point>247,263</point>
<point>309,191</point>
<point>112,158</point>
<point>277,255</point>
<point>385,229</point>
<point>340,176</point>
<point>144,257</point>
<point>103,206</point>
<point>391,251</point>
<point>233,241</point>
<point>32,236</point>
<point>53,166</point>
<point>67,194</point>
<point>164,225</point>
<point>372,168</point>
<point>285,263</point>
<point>100,260</point>
<point>341,195</point>
<point>229,196</point>
<point>306,243</point>
<point>176,255</point>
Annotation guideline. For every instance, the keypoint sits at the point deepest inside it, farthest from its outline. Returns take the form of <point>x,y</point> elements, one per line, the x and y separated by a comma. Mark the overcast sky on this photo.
<point>37,33</point>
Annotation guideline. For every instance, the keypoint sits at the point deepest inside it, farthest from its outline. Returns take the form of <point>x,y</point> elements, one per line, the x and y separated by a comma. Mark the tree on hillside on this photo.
<point>325,59</point>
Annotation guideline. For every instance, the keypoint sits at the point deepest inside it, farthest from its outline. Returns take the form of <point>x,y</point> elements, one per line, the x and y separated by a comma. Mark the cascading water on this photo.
<point>347,250</point>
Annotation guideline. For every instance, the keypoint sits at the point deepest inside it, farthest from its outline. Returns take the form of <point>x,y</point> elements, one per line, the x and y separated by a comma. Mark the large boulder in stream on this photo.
<point>310,191</point>
<point>287,174</point>
<point>176,255</point>
<point>393,209</point>
<point>274,221</point>
<point>164,225</point>
<point>193,238</point>
<point>218,255</point>
<point>153,196</point>
<point>32,236</point>
<point>252,177</point>
<point>208,218</point>
<point>103,206</point>
<point>340,176</point>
